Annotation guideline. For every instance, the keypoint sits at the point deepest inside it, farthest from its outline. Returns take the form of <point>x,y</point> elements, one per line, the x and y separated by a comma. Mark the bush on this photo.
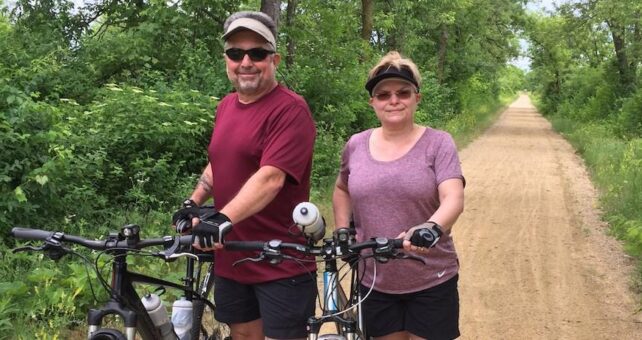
<point>630,117</point>
<point>616,166</point>
<point>132,147</point>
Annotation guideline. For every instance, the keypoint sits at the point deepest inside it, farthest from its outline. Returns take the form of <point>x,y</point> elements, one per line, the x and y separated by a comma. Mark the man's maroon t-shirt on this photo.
<point>276,130</point>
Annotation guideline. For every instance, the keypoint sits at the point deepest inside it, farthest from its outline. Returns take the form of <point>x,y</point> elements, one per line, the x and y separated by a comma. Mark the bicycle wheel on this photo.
<point>107,334</point>
<point>204,326</point>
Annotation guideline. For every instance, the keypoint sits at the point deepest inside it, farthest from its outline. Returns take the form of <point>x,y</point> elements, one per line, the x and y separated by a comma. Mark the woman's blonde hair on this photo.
<point>394,59</point>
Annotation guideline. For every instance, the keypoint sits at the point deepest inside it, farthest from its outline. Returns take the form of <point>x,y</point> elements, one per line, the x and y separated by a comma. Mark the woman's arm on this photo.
<point>341,204</point>
<point>451,203</point>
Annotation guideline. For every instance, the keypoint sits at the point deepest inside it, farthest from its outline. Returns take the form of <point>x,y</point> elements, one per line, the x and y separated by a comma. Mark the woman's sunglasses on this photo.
<point>384,96</point>
<point>256,54</point>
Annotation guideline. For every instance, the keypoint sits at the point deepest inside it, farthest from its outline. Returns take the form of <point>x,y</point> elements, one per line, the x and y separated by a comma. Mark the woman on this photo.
<point>395,179</point>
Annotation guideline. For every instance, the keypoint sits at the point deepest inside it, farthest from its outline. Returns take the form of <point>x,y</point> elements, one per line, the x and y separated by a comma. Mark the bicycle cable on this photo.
<point>127,251</point>
<point>88,264</point>
<point>356,304</point>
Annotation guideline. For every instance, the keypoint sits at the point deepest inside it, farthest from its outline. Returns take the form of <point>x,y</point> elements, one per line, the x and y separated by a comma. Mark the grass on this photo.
<point>615,165</point>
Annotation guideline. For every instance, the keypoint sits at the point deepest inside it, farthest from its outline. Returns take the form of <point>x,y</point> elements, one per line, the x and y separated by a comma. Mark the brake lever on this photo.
<point>177,255</point>
<point>384,257</point>
<point>27,248</point>
<point>171,250</point>
<point>403,256</point>
<point>53,251</point>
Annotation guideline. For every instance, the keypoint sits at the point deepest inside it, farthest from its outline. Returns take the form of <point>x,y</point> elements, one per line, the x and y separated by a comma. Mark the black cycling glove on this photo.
<point>425,235</point>
<point>211,230</point>
<point>182,218</point>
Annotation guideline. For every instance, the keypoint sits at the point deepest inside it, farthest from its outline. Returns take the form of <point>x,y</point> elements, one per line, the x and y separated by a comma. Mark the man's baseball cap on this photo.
<point>252,25</point>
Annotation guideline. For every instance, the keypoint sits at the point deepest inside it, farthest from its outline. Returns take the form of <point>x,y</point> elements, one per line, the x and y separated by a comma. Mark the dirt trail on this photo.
<point>535,260</point>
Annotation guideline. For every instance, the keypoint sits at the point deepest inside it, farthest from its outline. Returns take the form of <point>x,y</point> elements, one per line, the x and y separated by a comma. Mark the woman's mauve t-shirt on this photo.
<point>389,197</point>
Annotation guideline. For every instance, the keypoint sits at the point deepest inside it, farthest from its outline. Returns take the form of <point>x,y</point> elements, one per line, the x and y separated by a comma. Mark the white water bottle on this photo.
<point>309,220</point>
<point>182,318</point>
<point>158,313</point>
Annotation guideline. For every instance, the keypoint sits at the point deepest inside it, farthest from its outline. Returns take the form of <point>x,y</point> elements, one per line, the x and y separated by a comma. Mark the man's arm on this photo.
<point>203,190</point>
<point>259,190</point>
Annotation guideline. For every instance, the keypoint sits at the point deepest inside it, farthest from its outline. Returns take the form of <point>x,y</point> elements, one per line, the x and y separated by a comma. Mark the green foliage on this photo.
<point>511,80</point>
<point>328,146</point>
<point>630,117</point>
<point>133,147</point>
<point>54,294</point>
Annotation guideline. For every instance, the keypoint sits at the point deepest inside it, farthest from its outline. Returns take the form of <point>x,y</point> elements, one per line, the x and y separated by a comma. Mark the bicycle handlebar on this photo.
<point>271,250</point>
<point>110,242</point>
<point>263,245</point>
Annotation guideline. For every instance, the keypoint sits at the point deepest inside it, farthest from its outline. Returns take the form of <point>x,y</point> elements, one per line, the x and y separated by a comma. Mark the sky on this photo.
<point>534,5</point>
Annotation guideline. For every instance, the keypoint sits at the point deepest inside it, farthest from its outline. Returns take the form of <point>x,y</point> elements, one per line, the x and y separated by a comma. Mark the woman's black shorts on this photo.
<point>431,314</point>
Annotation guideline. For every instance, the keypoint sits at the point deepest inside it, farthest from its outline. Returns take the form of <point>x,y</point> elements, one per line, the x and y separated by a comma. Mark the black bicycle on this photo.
<point>124,300</point>
<point>344,310</point>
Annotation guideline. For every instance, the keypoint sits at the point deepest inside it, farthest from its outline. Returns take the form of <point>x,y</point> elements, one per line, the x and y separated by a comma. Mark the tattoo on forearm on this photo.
<point>205,183</point>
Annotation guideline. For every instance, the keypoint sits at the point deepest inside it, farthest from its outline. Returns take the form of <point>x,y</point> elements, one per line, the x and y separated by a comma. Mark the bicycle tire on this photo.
<point>107,334</point>
<point>358,336</point>
<point>217,331</point>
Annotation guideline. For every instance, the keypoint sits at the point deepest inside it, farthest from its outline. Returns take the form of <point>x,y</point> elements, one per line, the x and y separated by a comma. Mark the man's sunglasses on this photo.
<point>256,54</point>
<point>403,94</point>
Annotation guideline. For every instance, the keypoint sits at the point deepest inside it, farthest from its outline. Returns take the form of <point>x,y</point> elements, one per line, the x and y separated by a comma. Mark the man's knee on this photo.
<point>252,330</point>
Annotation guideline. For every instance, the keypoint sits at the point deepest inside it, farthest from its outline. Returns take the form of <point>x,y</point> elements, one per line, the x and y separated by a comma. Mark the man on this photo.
<point>260,159</point>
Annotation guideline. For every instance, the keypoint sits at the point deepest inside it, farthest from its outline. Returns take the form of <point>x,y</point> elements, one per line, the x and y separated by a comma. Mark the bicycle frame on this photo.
<point>132,311</point>
<point>349,323</point>
<point>124,301</point>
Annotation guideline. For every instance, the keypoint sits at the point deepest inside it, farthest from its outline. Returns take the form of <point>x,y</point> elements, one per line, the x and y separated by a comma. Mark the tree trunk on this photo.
<point>290,43</point>
<point>636,55</point>
<point>394,36</point>
<point>367,10</point>
<point>443,48</point>
<point>617,33</point>
<point>273,9</point>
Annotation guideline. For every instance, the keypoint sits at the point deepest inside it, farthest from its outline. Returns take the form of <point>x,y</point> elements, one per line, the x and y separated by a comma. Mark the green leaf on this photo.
<point>13,288</point>
<point>20,195</point>
<point>42,180</point>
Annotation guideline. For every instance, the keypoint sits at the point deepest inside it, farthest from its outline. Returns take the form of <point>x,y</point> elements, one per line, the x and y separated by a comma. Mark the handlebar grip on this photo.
<point>397,243</point>
<point>244,245</point>
<point>423,238</point>
<point>31,234</point>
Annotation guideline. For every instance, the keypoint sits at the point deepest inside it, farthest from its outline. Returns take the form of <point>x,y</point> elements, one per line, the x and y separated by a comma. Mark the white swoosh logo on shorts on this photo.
<point>441,273</point>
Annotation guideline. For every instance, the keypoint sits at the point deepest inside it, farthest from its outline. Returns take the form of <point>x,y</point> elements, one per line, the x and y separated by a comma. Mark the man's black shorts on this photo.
<point>431,314</point>
<point>284,305</point>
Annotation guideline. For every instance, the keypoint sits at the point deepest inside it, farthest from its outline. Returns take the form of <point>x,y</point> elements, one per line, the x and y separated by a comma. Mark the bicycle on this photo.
<point>124,300</point>
<point>344,310</point>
